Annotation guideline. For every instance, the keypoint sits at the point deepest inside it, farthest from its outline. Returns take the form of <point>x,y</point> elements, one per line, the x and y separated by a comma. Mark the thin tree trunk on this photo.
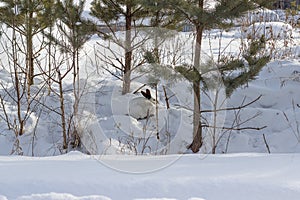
<point>78,78</point>
<point>128,53</point>
<point>156,112</point>
<point>17,84</point>
<point>49,64</point>
<point>75,65</point>
<point>74,134</point>
<point>62,110</point>
<point>29,46</point>
<point>214,134</point>
<point>166,98</point>
<point>197,127</point>
<point>156,39</point>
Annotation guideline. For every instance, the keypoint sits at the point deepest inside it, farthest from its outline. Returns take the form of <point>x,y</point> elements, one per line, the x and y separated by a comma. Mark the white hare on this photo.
<point>142,107</point>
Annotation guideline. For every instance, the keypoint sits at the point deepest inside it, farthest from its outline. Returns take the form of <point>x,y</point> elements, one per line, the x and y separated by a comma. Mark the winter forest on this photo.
<point>194,96</point>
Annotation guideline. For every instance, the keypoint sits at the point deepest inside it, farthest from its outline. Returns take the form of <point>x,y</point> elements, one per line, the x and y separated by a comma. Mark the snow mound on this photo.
<point>3,197</point>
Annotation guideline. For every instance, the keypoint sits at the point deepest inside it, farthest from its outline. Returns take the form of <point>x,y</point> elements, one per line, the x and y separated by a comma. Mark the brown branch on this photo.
<point>111,73</point>
<point>166,97</point>
<point>266,143</point>
<point>5,113</point>
<point>139,88</point>
<point>49,108</point>
<point>233,108</point>
<point>236,129</point>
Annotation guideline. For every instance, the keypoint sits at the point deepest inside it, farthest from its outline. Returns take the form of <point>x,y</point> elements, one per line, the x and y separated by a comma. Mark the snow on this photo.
<point>128,159</point>
<point>207,177</point>
<point>276,30</point>
<point>262,14</point>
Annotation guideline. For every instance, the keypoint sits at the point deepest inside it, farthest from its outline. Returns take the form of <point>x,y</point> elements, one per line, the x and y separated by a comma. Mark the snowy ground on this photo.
<point>183,177</point>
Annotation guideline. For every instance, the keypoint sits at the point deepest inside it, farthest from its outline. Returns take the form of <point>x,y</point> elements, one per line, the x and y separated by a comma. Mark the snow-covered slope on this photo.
<point>108,128</point>
<point>108,124</point>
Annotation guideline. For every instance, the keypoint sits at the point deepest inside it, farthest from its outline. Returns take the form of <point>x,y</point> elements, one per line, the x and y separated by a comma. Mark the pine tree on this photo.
<point>75,31</point>
<point>197,13</point>
<point>110,11</point>
<point>163,18</point>
<point>29,18</point>
<point>255,61</point>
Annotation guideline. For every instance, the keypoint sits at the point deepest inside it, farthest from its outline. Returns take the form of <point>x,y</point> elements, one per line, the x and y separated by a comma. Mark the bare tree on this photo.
<point>14,90</point>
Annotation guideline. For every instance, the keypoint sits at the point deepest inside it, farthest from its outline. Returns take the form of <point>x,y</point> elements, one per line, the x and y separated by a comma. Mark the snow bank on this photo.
<point>206,177</point>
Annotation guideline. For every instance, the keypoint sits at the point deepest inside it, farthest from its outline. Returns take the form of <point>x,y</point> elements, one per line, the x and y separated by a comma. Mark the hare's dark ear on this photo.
<point>146,94</point>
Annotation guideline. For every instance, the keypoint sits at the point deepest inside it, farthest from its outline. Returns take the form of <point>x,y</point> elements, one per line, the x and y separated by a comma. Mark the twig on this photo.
<point>5,113</point>
<point>139,88</point>
<point>156,113</point>
<point>235,129</point>
<point>266,143</point>
<point>223,109</point>
<point>233,108</point>
<point>166,97</point>
<point>111,73</point>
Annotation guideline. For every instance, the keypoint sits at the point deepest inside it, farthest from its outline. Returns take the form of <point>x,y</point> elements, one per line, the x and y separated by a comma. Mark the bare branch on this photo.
<point>166,97</point>
<point>266,143</point>
<point>139,88</point>
<point>233,108</point>
<point>235,129</point>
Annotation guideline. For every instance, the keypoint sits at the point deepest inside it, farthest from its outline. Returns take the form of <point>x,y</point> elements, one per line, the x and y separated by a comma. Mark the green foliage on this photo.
<point>155,71</point>
<point>111,10</point>
<point>106,10</point>
<point>76,29</point>
<point>249,70</point>
<point>189,72</point>
<point>231,65</point>
<point>233,72</point>
<point>247,67</point>
<point>232,83</point>
<point>295,7</point>
<point>161,13</point>
<point>36,13</point>
<point>150,58</point>
<point>197,13</point>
